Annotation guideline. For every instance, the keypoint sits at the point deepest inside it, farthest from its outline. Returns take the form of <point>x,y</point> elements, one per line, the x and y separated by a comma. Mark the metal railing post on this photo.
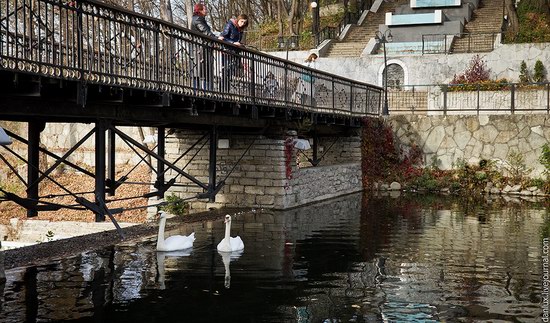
<point>286,83</point>
<point>547,97</point>
<point>351,98</point>
<point>512,98</point>
<point>478,106</point>
<point>253,78</point>
<point>423,40</point>
<point>157,54</point>
<point>81,93</point>
<point>333,95</point>
<point>445,89</point>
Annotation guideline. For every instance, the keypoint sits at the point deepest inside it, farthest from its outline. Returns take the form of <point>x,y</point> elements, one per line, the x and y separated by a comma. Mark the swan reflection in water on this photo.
<point>227,257</point>
<point>161,256</point>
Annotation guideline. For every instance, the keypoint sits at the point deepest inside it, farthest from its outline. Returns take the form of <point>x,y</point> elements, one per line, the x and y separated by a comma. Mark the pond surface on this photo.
<point>354,259</point>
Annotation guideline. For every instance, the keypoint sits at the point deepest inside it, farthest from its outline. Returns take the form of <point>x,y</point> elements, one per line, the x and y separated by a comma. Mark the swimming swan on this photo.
<point>172,243</point>
<point>228,243</point>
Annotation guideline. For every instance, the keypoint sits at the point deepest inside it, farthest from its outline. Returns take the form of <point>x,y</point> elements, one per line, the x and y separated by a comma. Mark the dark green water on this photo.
<point>348,260</point>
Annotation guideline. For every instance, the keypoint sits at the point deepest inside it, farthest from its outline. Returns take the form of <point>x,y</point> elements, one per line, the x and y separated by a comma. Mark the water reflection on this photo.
<point>161,258</point>
<point>227,258</point>
<point>352,259</point>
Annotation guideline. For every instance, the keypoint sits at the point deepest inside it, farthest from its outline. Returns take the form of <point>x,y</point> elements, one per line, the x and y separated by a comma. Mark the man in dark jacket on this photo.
<point>199,21</point>
<point>205,56</point>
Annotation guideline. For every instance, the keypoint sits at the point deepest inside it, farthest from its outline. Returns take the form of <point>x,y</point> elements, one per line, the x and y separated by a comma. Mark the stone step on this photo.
<point>486,19</point>
<point>359,36</point>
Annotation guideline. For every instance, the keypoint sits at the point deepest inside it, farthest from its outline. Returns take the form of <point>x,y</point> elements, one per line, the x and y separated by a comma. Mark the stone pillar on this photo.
<point>2,271</point>
<point>267,175</point>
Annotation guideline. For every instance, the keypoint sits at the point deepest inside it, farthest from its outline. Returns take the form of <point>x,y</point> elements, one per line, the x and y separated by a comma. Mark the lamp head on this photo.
<point>389,36</point>
<point>313,4</point>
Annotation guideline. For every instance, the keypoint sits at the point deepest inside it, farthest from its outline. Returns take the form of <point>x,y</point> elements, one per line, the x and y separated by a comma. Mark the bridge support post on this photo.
<point>34,130</point>
<point>100,149</point>
<point>212,163</point>
<point>315,153</point>
<point>161,151</point>
<point>111,161</point>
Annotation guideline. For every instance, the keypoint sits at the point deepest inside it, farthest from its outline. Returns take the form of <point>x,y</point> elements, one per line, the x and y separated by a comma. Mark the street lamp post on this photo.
<point>286,43</point>
<point>315,22</point>
<point>383,38</point>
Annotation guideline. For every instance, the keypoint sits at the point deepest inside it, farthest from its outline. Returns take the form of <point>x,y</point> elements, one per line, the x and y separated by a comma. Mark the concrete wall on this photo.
<point>504,62</point>
<point>259,179</point>
<point>472,138</point>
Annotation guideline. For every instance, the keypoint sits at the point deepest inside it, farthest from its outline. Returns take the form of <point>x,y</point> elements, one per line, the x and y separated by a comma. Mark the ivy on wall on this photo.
<point>382,157</point>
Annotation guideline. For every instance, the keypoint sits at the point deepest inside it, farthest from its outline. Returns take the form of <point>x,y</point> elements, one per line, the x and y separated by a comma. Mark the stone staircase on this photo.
<point>358,36</point>
<point>480,32</point>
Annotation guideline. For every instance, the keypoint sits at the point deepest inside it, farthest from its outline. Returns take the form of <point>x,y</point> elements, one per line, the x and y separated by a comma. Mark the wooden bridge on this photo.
<point>83,61</point>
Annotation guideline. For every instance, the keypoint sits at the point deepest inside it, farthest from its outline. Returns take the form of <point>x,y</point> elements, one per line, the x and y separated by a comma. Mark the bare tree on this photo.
<point>189,11</point>
<point>166,11</point>
<point>513,20</point>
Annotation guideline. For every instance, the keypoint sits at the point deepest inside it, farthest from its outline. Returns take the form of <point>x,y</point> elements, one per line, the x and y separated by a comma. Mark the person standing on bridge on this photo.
<point>205,57</point>
<point>305,88</point>
<point>231,62</point>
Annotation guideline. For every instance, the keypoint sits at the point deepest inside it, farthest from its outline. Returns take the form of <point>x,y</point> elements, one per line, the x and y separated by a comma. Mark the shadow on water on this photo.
<point>358,258</point>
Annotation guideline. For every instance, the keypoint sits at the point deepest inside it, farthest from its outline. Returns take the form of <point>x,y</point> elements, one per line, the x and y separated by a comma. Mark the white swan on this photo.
<point>228,243</point>
<point>174,242</point>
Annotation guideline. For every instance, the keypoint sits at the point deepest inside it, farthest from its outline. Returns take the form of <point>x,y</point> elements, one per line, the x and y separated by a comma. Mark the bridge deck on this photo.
<point>86,62</point>
<point>75,54</point>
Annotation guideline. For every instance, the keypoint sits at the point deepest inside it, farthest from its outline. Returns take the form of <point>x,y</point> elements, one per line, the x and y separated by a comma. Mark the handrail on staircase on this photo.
<point>329,32</point>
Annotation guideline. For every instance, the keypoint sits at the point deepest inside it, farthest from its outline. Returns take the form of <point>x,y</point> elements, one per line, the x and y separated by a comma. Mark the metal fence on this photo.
<point>498,98</point>
<point>459,43</point>
<point>94,43</point>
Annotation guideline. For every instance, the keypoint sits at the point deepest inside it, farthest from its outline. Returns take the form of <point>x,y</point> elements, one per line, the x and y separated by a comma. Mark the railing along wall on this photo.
<point>445,43</point>
<point>94,43</point>
<point>499,98</point>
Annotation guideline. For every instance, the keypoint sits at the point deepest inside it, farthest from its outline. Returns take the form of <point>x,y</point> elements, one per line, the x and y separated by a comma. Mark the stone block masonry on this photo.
<point>449,139</point>
<point>260,180</point>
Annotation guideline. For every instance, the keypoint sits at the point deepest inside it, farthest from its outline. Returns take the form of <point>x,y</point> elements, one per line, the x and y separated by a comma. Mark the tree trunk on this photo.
<point>189,11</point>
<point>166,11</point>
<point>353,6</point>
<point>130,5</point>
<point>513,20</point>
<point>292,17</point>
<point>280,17</point>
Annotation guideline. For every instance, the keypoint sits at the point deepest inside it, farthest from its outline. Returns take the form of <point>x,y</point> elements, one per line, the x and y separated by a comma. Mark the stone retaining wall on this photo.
<point>472,138</point>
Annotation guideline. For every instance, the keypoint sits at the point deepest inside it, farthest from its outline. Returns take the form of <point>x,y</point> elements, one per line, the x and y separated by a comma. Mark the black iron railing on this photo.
<point>461,43</point>
<point>94,43</point>
<point>333,32</point>
<point>495,98</point>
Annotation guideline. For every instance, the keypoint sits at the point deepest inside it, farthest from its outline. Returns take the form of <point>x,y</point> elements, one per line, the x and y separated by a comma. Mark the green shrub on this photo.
<point>175,205</point>
<point>540,72</point>
<point>544,159</point>
<point>523,73</point>
<point>515,165</point>
<point>534,26</point>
